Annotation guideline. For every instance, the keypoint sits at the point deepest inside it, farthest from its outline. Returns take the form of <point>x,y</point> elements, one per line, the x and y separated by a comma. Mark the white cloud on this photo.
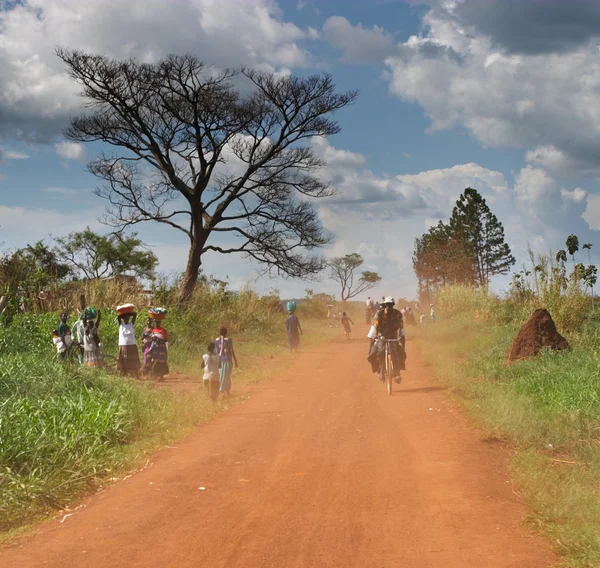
<point>358,44</point>
<point>12,155</point>
<point>592,213</point>
<point>577,195</point>
<point>70,150</point>
<point>21,225</point>
<point>37,96</point>
<point>380,217</point>
<point>549,101</point>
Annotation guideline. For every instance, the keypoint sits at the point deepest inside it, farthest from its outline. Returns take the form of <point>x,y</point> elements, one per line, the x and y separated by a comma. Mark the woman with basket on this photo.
<point>128,362</point>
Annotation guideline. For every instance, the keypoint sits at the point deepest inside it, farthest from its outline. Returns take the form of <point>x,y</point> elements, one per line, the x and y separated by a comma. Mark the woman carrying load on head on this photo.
<point>128,362</point>
<point>293,327</point>
<point>92,346</point>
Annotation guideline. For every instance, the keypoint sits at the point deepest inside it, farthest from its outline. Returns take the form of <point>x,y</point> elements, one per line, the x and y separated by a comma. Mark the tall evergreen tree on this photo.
<point>474,223</point>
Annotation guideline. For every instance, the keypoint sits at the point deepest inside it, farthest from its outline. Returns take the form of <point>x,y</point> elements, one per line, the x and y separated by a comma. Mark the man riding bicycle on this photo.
<point>388,324</point>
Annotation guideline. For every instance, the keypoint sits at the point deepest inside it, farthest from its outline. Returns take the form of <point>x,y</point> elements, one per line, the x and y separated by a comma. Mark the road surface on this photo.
<point>320,468</point>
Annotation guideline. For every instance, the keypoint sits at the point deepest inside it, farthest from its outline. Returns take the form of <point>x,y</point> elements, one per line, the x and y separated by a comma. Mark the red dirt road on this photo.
<point>319,468</point>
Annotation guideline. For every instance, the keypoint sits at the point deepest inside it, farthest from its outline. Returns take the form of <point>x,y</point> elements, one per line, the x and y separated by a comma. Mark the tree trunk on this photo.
<point>192,269</point>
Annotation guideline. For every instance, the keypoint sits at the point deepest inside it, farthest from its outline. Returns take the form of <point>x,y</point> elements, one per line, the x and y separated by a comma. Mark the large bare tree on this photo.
<point>210,153</point>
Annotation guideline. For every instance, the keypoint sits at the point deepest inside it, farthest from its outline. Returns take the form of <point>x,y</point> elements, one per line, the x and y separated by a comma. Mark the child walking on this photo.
<point>211,378</point>
<point>226,353</point>
<point>346,321</point>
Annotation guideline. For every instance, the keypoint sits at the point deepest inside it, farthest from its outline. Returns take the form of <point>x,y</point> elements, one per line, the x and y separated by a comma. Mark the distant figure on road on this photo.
<point>431,312</point>
<point>346,321</point>
<point>224,348</point>
<point>369,311</point>
<point>294,331</point>
<point>422,318</point>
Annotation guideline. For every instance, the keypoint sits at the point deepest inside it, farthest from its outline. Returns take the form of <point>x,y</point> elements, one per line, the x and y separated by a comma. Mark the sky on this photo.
<point>499,95</point>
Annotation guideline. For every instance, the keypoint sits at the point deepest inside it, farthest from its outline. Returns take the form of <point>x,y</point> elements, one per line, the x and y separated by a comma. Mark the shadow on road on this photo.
<point>422,389</point>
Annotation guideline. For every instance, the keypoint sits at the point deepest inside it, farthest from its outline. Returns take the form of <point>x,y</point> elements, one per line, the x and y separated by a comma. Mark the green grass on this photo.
<point>66,431</point>
<point>548,408</point>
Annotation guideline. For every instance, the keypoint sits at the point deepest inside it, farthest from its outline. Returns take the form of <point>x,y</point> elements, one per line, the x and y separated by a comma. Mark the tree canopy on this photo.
<point>470,249</point>
<point>224,157</point>
<point>473,222</point>
<point>90,255</point>
<point>343,270</point>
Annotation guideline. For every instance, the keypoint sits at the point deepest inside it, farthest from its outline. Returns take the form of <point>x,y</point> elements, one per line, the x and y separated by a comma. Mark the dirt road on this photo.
<point>319,468</point>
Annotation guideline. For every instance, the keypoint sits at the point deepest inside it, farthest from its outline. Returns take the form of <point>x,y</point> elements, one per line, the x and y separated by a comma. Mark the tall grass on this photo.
<point>65,430</point>
<point>547,407</point>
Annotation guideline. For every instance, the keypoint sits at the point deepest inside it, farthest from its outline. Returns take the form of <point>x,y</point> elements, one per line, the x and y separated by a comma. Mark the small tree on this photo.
<point>103,256</point>
<point>211,154</point>
<point>474,223</point>
<point>572,246</point>
<point>343,270</point>
<point>591,273</point>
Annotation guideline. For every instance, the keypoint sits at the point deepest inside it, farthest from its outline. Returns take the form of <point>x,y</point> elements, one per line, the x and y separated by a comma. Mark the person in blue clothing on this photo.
<point>225,351</point>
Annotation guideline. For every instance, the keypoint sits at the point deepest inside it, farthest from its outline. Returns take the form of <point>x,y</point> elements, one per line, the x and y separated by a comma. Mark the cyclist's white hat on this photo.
<point>389,300</point>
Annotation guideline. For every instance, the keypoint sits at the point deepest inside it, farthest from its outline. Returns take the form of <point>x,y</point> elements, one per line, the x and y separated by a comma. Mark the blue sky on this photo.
<point>502,97</point>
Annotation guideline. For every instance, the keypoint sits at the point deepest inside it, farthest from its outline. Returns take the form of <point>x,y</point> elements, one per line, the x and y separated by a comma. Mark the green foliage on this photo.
<point>547,407</point>
<point>441,257</point>
<point>473,221</point>
<point>65,429</point>
<point>91,255</point>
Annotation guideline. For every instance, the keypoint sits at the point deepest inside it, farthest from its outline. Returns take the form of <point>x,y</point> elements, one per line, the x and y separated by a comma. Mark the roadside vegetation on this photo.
<point>66,431</point>
<point>546,408</point>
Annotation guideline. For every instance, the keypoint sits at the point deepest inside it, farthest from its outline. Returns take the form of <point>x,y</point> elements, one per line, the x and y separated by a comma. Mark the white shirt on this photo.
<point>126,334</point>
<point>58,342</point>
<point>369,303</point>
<point>211,367</point>
<point>77,331</point>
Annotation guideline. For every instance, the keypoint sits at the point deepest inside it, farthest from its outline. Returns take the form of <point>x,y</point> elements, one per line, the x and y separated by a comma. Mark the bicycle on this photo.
<point>388,372</point>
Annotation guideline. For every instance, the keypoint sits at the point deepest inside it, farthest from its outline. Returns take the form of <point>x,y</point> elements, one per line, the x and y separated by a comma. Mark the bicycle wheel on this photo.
<point>389,368</point>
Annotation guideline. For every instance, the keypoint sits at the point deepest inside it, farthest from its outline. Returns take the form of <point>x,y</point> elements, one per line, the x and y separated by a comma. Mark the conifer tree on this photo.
<point>474,223</point>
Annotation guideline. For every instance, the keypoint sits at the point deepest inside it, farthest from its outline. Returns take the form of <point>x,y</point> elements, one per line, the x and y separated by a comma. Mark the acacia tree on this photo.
<point>474,223</point>
<point>342,270</point>
<point>103,256</point>
<point>196,154</point>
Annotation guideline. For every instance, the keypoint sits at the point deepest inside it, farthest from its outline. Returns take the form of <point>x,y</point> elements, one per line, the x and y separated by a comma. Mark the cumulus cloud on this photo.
<point>380,216</point>
<point>358,44</point>
<point>546,101</point>
<point>591,215</point>
<point>70,150</point>
<point>36,96</point>
<point>531,26</point>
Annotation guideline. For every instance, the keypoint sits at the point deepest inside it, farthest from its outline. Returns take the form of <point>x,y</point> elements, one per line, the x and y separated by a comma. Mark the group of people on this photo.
<point>83,342</point>
<point>407,312</point>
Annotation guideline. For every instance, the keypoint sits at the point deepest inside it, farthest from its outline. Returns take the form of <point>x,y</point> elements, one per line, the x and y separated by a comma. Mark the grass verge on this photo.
<point>547,408</point>
<point>66,431</point>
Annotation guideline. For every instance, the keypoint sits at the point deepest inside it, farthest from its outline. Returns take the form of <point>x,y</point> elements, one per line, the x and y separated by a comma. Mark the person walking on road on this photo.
<point>294,331</point>
<point>226,353</point>
<point>346,321</point>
